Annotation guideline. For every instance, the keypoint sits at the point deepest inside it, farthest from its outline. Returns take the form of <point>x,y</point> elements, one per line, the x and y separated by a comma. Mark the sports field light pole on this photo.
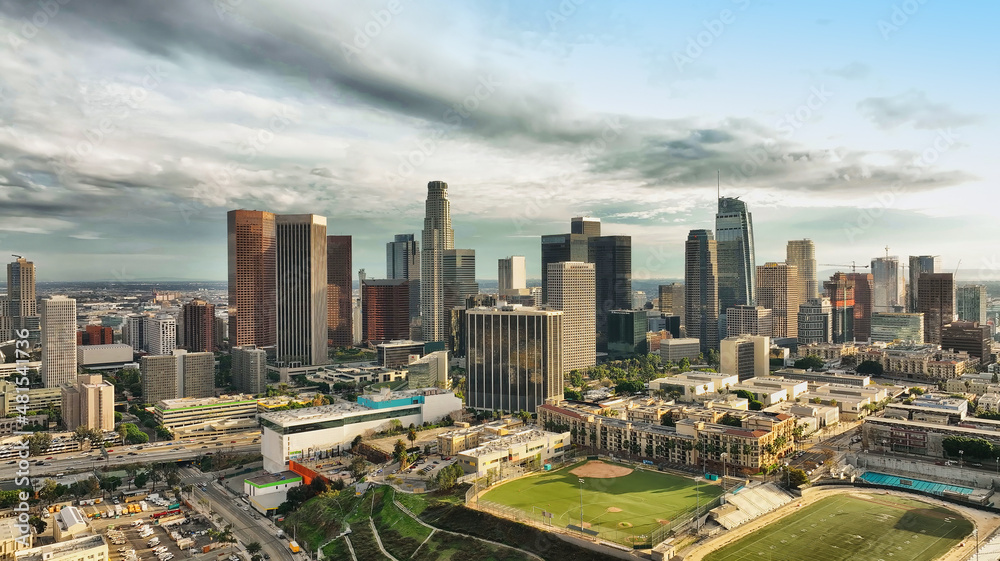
<point>961,454</point>
<point>723,456</point>
<point>581,506</point>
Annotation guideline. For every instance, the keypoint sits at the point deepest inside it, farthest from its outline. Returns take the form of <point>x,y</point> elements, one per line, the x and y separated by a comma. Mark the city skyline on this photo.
<point>325,121</point>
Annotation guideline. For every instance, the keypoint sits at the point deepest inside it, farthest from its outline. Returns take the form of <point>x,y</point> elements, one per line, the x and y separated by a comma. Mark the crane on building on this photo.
<point>854,266</point>
<point>16,255</point>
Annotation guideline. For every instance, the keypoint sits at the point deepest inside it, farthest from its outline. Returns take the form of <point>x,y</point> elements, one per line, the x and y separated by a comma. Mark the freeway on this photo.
<point>68,462</point>
<point>245,527</point>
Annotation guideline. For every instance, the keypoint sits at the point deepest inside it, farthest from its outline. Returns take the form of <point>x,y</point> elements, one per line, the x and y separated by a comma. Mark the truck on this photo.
<point>294,546</point>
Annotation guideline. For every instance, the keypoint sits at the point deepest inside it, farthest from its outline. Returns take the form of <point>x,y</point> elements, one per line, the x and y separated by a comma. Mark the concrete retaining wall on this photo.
<point>924,470</point>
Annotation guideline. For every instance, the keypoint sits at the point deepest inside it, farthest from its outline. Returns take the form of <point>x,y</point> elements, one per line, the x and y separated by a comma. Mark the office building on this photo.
<point>612,259</point>
<point>571,290</point>
<point>673,350</point>
<point>249,370</point>
<point>22,306</point>
<point>639,300</point>
<point>458,272</point>
<point>159,377</point>
<point>395,354</point>
<point>701,288</point>
<point>305,433</point>
<point>195,374</point>
<point>438,236</point>
<point>252,276</point>
<point>802,254</point>
<point>511,274</point>
<point>815,321</point>
<point>967,336</point>
<point>514,358</point>
<point>777,289</point>
<point>103,357</point>
<point>659,321</point>
<point>889,327</point>
<point>456,337</point>
<point>220,332</point>
<point>385,310</point>
<point>970,302</point>
<point>748,320</point>
<point>585,225</point>
<point>199,326</point>
<point>95,335</point>
<point>90,403</point>
<point>429,371</point>
<point>747,356</point>
<point>736,261</point>
<point>671,299</point>
<point>920,264</point>
<point>937,302</point>
<point>887,276</point>
<point>574,246</point>
<point>191,417</point>
<point>6,323</point>
<point>160,334</point>
<point>840,290</point>
<point>627,334</point>
<point>58,324</point>
<point>402,261</point>
<point>339,282</point>
<point>302,329</point>
<point>864,304</point>
<point>134,332</point>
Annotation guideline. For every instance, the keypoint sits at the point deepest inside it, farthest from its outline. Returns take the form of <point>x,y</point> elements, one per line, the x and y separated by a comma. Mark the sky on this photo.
<point>128,129</point>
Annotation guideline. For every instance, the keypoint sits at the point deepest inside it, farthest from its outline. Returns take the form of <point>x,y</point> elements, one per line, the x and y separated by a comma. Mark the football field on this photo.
<point>855,527</point>
<point>625,509</point>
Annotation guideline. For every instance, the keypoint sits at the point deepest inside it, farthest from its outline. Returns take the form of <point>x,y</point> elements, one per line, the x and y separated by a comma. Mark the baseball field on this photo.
<point>854,527</point>
<point>619,504</point>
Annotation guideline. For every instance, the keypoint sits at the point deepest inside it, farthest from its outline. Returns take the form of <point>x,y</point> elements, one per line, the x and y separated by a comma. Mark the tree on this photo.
<point>668,421</point>
<point>395,425</point>
<point>995,379</point>
<point>684,365</point>
<point>359,467</point>
<point>224,535</point>
<point>575,378</point>
<point>399,453</point>
<point>48,491</point>
<point>38,443</point>
<point>796,477</point>
<point>141,479</point>
<point>871,368</point>
<point>355,442</point>
<point>118,417</point>
<point>38,524</point>
<point>713,358</point>
<point>448,476</point>
<point>411,435</point>
<point>81,434</point>
<point>812,362</point>
<point>572,395</point>
<point>253,548</point>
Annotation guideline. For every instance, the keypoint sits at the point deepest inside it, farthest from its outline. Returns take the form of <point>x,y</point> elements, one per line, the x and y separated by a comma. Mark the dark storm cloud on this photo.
<point>912,107</point>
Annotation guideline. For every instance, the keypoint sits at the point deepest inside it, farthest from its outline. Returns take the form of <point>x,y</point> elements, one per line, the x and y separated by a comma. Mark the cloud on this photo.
<point>322,172</point>
<point>853,71</point>
<point>912,107</point>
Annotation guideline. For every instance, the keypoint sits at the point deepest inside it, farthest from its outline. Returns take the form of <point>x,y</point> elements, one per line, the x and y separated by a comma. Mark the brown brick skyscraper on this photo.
<point>339,313</point>
<point>252,299</point>
<point>199,326</point>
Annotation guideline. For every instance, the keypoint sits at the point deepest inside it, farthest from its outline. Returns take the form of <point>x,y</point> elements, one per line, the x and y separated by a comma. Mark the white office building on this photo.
<point>160,334</point>
<point>58,323</point>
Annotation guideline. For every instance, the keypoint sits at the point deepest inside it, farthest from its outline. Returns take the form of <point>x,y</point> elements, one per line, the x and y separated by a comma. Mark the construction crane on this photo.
<point>16,255</point>
<point>854,266</point>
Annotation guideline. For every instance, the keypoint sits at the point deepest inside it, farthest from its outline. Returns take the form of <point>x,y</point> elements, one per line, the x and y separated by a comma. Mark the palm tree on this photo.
<point>411,435</point>
<point>224,535</point>
<point>254,548</point>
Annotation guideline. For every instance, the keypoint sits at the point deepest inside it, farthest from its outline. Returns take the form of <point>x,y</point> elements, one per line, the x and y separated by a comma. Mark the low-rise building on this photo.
<point>859,380</point>
<point>793,388</point>
<point>930,408</point>
<point>429,371</point>
<point>829,352</point>
<point>89,548</point>
<point>104,357</point>
<point>691,386</point>
<point>11,538</point>
<point>69,523</point>
<point>207,416</point>
<point>919,361</point>
<point>885,434</point>
<point>266,492</point>
<point>453,442</point>
<point>674,350</point>
<point>989,402</point>
<point>972,382</point>
<point>517,448</point>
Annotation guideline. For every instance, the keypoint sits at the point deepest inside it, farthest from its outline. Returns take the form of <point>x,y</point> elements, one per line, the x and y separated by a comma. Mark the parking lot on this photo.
<point>124,537</point>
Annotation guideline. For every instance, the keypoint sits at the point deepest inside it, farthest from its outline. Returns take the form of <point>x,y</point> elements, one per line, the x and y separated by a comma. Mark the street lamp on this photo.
<point>581,505</point>
<point>788,479</point>
<point>961,454</point>
<point>723,456</point>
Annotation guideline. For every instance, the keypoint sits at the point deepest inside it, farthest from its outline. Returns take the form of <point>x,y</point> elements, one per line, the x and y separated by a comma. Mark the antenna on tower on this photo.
<point>718,184</point>
<point>887,252</point>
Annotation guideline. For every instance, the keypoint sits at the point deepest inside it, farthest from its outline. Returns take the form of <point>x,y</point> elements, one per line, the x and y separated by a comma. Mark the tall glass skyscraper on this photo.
<point>920,264</point>
<point>402,261</point>
<point>737,264</point>
<point>438,236</point>
<point>701,288</point>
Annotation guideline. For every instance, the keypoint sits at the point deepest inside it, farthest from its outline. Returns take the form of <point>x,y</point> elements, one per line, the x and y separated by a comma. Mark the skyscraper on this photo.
<point>840,290</point>
<point>778,289</point>
<point>701,288</point>
<point>585,225</point>
<point>571,290</point>
<point>970,302</point>
<point>864,304</point>
<point>920,264</point>
<point>301,289</point>
<point>888,278</point>
<point>511,273</point>
<point>438,236</point>
<point>737,264</point>
<point>195,374</point>
<point>249,370</point>
<point>89,402</point>
<point>671,298</point>
<point>815,321</point>
<point>802,254</point>
<point>458,276</point>
<point>749,320</point>
<point>159,377</point>
<point>559,248</point>
<point>937,303</point>
<point>339,281</point>
<point>23,308</point>
<point>160,334</point>
<point>252,276</point>
<point>612,259</point>
<point>402,258</point>
<point>58,325</point>
<point>627,334</point>
<point>199,326</point>
<point>385,305</point>
<point>134,332</point>
<point>514,358</point>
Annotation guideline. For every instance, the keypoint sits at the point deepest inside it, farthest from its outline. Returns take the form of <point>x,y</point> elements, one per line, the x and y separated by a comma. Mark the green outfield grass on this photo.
<point>850,528</point>
<point>646,500</point>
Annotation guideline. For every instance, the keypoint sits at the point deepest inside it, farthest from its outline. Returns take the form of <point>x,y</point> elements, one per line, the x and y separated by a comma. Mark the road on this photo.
<point>68,462</point>
<point>245,528</point>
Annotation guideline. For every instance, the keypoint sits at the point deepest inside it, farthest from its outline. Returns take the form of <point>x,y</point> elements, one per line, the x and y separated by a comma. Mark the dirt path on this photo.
<point>986,522</point>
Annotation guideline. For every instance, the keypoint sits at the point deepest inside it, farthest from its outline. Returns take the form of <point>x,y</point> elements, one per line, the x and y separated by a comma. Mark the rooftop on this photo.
<point>60,549</point>
<point>189,402</point>
<point>266,479</point>
<point>504,442</point>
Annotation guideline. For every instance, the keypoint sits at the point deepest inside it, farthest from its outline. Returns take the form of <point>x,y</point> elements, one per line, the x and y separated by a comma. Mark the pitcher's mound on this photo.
<point>600,470</point>
<point>614,509</point>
